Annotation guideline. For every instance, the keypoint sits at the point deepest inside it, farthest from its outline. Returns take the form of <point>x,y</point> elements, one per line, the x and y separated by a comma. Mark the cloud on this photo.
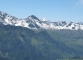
<point>79,2</point>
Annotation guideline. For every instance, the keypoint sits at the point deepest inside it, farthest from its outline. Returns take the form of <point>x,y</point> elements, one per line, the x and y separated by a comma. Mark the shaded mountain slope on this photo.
<point>19,43</point>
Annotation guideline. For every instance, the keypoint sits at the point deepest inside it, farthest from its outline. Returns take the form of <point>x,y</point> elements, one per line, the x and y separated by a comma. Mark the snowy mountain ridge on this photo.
<point>32,22</point>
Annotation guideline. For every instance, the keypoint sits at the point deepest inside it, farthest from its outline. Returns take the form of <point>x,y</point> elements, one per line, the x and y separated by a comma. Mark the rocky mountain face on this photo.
<point>32,22</point>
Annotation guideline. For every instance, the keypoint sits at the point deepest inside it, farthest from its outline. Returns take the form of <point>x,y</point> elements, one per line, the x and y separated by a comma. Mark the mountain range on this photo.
<point>39,39</point>
<point>32,22</point>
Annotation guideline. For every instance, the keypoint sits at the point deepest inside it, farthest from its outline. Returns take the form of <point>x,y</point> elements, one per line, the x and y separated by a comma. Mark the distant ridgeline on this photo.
<point>32,22</point>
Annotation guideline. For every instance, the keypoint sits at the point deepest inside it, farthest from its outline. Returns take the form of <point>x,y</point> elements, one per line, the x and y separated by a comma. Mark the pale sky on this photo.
<point>53,10</point>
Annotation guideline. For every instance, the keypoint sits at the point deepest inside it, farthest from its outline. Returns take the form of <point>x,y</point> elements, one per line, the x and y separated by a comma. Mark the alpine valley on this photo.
<point>39,39</point>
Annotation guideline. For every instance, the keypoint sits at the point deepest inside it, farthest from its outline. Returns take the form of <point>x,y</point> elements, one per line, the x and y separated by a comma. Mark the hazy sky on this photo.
<point>53,10</point>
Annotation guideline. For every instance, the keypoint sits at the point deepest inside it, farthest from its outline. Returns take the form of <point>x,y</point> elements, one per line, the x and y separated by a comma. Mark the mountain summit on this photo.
<point>44,19</point>
<point>32,22</point>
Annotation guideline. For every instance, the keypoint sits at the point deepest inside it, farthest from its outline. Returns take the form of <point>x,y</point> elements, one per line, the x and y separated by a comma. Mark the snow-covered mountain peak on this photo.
<point>32,22</point>
<point>1,13</point>
<point>44,19</point>
<point>33,17</point>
